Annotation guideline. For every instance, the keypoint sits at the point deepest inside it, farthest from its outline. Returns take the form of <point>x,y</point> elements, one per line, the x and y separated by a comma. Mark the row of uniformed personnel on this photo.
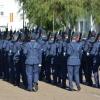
<point>41,56</point>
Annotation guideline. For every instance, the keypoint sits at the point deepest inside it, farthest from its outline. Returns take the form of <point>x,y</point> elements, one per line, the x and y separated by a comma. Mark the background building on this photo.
<point>9,16</point>
<point>86,24</point>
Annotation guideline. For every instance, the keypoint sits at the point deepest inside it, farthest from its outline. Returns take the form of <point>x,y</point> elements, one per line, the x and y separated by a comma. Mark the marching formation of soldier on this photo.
<point>34,55</point>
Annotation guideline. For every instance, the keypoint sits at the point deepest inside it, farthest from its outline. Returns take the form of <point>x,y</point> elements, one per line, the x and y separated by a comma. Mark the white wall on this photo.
<point>86,27</point>
<point>10,6</point>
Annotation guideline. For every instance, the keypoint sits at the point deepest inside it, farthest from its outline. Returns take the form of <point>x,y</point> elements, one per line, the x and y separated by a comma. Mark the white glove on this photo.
<point>40,65</point>
<point>64,53</point>
<point>88,54</point>
<point>10,51</point>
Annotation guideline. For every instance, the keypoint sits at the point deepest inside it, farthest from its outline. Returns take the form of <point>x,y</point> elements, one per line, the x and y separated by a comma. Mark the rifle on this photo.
<point>19,36</point>
<point>89,34</point>
<point>11,34</point>
<point>26,35</point>
<point>80,36</point>
<point>5,33</point>
<point>62,49</point>
<point>60,32</point>
<point>72,35</point>
<point>37,30</point>
<point>55,37</point>
<point>63,36</point>
<point>39,34</point>
<point>48,36</point>
<point>69,36</point>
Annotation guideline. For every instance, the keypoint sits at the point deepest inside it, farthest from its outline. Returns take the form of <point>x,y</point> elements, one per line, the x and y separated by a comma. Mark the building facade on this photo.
<point>9,16</point>
<point>86,24</point>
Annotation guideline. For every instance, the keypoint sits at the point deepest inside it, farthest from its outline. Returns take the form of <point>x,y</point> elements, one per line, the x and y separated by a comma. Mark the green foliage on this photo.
<point>93,7</point>
<point>44,12</point>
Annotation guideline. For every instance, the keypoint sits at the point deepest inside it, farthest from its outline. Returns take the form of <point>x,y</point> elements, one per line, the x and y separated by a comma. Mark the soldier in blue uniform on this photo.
<point>49,56</point>
<point>56,54</point>
<point>11,52</point>
<point>87,48</point>
<point>42,41</point>
<point>83,66</point>
<point>5,43</point>
<point>17,60</point>
<point>1,53</point>
<point>73,62</point>
<point>22,58</point>
<point>95,52</point>
<point>33,53</point>
<point>63,60</point>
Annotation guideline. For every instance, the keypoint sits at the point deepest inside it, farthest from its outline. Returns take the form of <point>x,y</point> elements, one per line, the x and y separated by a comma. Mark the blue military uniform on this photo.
<point>17,60</point>
<point>11,52</point>
<point>96,61</point>
<point>49,57</point>
<point>87,48</point>
<point>63,60</point>
<point>22,60</point>
<point>73,62</point>
<point>42,41</point>
<point>83,67</point>
<point>33,53</point>
<point>5,43</point>
<point>56,68</point>
<point>1,53</point>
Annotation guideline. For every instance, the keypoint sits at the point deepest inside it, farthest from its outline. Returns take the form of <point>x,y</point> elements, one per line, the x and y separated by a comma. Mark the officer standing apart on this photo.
<point>33,53</point>
<point>73,62</point>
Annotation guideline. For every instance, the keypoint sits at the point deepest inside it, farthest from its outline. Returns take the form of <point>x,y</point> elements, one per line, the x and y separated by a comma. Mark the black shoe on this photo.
<point>44,75</point>
<point>78,87</point>
<point>49,82</point>
<point>59,81</point>
<point>64,87</point>
<point>29,90</point>
<point>70,89</point>
<point>16,84</point>
<point>12,82</point>
<point>35,87</point>
<point>7,80</point>
<point>4,79</point>
<point>89,84</point>
<point>55,84</point>
<point>40,79</point>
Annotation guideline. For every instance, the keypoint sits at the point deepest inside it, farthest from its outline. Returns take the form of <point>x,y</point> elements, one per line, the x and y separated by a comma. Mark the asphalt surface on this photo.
<point>47,92</point>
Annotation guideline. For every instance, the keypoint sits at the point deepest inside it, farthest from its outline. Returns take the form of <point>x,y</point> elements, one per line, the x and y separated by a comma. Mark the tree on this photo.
<point>44,12</point>
<point>93,7</point>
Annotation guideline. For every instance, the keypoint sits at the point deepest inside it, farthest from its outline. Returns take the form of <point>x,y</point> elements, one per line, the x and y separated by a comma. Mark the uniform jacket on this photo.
<point>74,53</point>
<point>33,53</point>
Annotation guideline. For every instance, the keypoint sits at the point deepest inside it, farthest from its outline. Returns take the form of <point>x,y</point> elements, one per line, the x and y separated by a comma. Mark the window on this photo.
<point>1,10</point>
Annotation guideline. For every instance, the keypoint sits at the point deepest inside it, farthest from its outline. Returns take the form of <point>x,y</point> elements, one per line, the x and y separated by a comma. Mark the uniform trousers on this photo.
<point>73,71</point>
<point>32,72</point>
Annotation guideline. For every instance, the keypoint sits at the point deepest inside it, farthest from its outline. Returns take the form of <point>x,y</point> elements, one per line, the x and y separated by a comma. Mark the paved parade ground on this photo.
<point>47,92</point>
